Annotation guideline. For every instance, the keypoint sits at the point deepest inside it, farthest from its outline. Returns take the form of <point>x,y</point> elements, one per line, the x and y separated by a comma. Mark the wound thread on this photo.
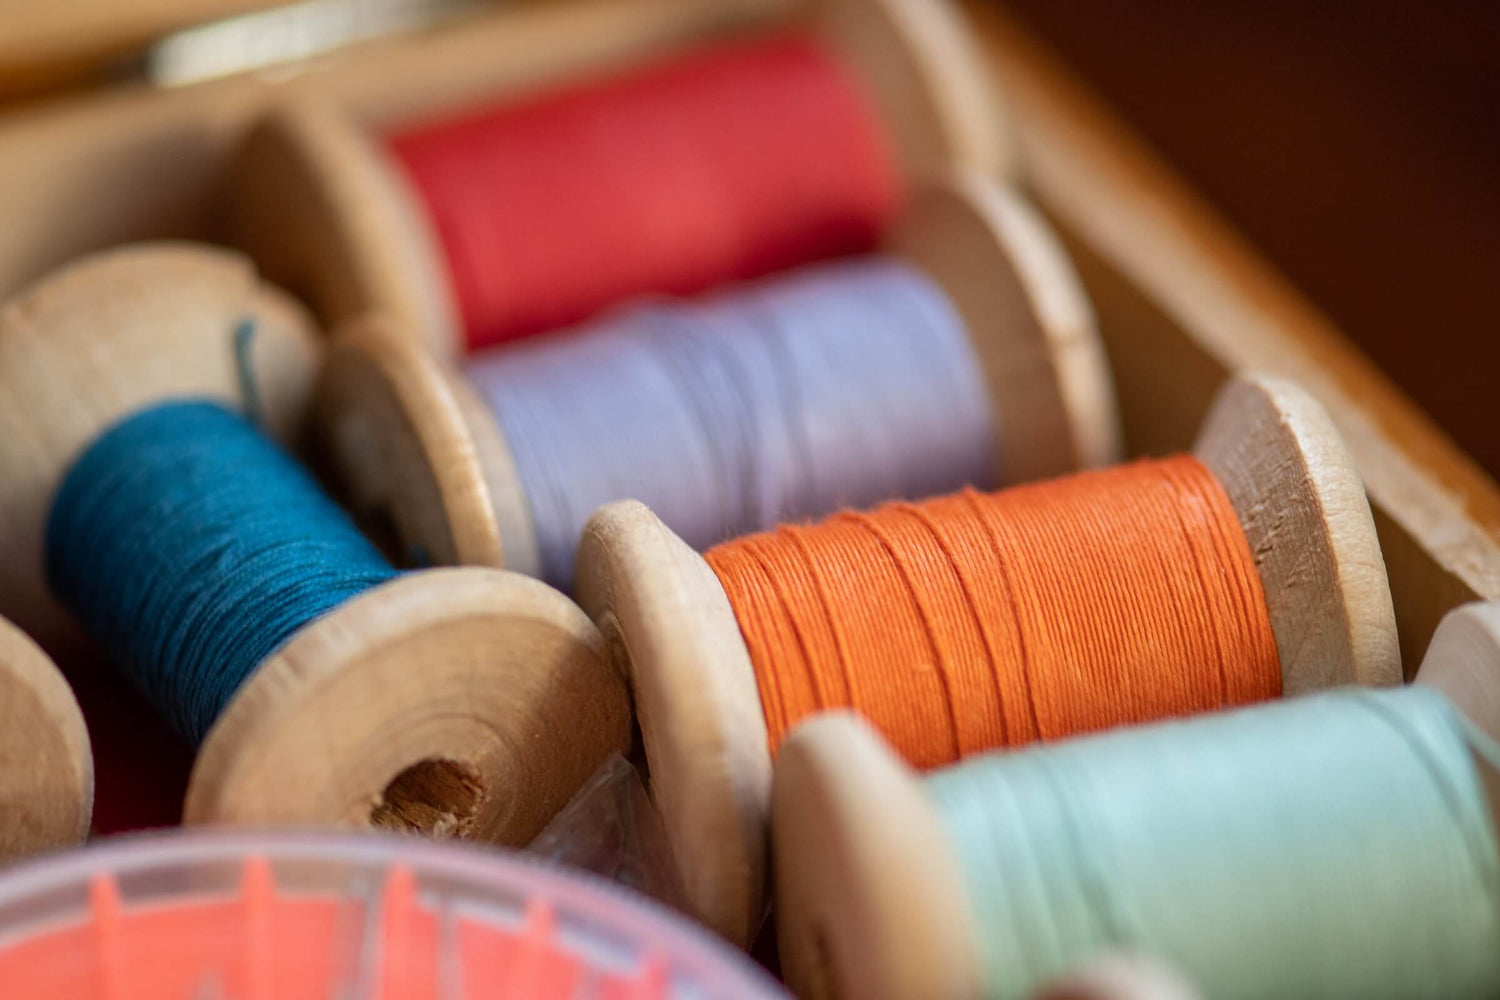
<point>729,163</point>
<point>976,621</point>
<point>191,547</point>
<point>1337,845</point>
<point>844,384</point>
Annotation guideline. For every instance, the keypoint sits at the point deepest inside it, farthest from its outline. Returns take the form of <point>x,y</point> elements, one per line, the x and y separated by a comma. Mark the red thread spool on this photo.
<point>730,163</point>
<point>141,765</point>
<point>669,176</point>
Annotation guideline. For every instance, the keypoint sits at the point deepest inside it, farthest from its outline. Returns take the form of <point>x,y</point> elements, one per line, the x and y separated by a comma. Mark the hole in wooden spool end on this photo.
<point>437,798</point>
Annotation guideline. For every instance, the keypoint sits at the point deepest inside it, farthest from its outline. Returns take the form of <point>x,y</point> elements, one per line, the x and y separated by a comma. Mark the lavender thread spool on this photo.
<point>840,385</point>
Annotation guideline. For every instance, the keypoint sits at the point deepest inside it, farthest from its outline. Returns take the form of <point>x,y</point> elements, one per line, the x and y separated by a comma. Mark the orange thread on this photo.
<point>976,621</point>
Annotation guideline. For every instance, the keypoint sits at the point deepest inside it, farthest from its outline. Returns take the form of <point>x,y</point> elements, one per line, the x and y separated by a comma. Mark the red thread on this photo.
<point>728,164</point>
<point>977,621</point>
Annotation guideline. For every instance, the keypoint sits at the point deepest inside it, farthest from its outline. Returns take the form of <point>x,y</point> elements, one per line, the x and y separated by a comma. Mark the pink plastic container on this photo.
<point>270,916</point>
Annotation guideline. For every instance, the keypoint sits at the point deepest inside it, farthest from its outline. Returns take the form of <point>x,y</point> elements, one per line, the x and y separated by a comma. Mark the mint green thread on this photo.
<point>1331,846</point>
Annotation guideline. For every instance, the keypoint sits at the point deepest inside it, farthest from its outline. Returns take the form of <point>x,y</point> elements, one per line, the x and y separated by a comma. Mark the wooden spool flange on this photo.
<point>1463,662</point>
<point>410,437</point>
<point>870,902</point>
<point>46,767</point>
<point>325,211</point>
<point>667,618</point>
<point>467,701</point>
<point>848,880</point>
<point>108,335</point>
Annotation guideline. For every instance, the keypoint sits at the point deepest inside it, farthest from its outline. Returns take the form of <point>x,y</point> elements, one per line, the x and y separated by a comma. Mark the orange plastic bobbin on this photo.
<point>297,917</point>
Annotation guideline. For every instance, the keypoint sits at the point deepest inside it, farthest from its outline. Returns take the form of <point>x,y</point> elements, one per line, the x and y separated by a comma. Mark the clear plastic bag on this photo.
<point>611,829</point>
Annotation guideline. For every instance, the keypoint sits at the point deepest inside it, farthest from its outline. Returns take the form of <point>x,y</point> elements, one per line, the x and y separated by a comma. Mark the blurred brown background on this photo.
<point>1357,144</point>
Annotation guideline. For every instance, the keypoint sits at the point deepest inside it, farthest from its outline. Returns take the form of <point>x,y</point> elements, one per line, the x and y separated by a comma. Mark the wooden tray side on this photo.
<point>62,42</point>
<point>1183,301</point>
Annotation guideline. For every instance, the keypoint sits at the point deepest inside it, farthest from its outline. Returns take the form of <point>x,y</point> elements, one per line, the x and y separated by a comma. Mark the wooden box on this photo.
<point>1181,299</point>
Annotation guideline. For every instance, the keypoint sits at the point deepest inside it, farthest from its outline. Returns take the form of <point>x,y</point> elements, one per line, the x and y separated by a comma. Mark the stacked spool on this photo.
<point>1343,844</point>
<point>1015,388</point>
<point>836,136</point>
<point>137,370</point>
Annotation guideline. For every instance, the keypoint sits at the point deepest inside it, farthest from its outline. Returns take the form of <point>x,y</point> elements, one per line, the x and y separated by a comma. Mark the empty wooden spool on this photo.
<point>412,438</point>
<point>467,701</point>
<point>325,212</point>
<point>46,767</point>
<point>667,619</point>
<point>870,902</point>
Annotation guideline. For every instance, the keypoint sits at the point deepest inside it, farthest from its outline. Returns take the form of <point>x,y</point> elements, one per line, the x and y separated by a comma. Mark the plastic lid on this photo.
<point>285,917</point>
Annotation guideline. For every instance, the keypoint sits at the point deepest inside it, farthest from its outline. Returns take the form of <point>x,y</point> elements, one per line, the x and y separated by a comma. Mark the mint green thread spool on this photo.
<point>1331,846</point>
<point>1338,845</point>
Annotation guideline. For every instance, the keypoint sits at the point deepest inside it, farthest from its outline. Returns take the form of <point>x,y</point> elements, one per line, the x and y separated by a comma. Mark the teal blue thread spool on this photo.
<point>113,333</point>
<point>1336,845</point>
<point>192,547</point>
<point>455,701</point>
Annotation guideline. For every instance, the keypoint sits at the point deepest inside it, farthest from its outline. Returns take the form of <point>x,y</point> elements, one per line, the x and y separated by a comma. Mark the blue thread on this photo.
<point>244,367</point>
<point>192,547</point>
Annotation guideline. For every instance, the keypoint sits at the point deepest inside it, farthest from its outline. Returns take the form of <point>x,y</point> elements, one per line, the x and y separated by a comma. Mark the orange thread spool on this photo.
<point>975,621</point>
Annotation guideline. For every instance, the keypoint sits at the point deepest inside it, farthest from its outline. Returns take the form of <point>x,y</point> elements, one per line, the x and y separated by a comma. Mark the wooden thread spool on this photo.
<point>412,438</point>
<point>869,898</point>
<point>46,767</point>
<point>470,701</point>
<point>1463,662</point>
<point>324,210</point>
<point>667,618</point>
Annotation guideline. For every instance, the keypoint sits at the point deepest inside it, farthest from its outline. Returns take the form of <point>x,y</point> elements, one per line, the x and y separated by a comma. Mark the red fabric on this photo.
<point>730,163</point>
<point>140,766</point>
